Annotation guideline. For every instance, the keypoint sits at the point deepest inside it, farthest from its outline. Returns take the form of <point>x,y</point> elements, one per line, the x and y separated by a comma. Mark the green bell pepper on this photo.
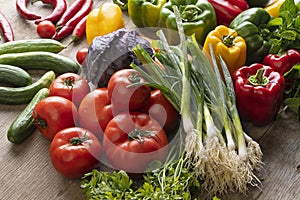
<point>258,3</point>
<point>251,25</point>
<point>145,13</point>
<point>198,17</point>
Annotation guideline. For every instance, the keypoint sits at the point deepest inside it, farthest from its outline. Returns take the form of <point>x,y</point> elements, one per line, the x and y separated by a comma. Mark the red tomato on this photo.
<point>132,141</point>
<point>81,55</point>
<point>125,97</point>
<point>163,111</point>
<point>75,151</point>
<point>70,86</point>
<point>53,114</point>
<point>46,29</point>
<point>95,111</point>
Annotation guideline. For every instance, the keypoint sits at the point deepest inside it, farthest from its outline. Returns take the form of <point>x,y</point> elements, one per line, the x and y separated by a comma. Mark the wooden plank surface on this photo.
<point>26,171</point>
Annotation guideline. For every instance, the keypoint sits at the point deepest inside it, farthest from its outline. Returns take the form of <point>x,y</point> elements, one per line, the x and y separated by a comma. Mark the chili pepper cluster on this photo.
<point>67,20</point>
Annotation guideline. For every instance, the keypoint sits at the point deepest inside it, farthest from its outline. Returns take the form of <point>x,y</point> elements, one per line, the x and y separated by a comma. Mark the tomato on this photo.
<point>125,97</point>
<point>53,114</point>
<point>75,151</point>
<point>133,140</point>
<point>70,86</point>
<point>95,111</point>
<point>81,55</point>
<point>46,29</point>
<point>163,111</point>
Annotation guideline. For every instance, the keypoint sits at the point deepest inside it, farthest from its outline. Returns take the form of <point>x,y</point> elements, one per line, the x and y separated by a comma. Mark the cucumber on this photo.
<point>41,60</point>
<point>22,95</point>
<point>14,76</point>
<point>23,125</point>
<point>19,46</point>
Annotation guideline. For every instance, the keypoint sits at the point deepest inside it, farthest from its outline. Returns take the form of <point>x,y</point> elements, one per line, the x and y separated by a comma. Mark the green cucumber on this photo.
<point>41,60</point>
<point>22,95</point>
<point>14,76</point>
<point>23,125</point>
<point>19,46</point>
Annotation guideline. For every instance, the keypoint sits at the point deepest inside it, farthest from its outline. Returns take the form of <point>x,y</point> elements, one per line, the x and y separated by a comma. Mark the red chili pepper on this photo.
<point>227,10</point>
<point>21,6</point>
<point>259,93</point>
<point>284,61</point>
<point>70,12</point>
<point>79,30</point>
<point>60,6</point>
<point>70,25</point>
<point>6,29</point>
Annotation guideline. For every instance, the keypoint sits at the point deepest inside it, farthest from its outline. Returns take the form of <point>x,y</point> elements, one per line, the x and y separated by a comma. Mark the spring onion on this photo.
<point>217,149</point>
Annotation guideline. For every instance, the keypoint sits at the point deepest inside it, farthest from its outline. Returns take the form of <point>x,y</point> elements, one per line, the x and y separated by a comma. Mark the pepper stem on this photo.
<point>228,40</point>
<point>259,79</point>
<point>189,13</point>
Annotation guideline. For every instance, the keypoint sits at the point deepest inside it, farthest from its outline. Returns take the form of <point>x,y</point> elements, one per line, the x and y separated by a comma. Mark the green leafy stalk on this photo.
<point>242,150</point>
<point>186,86</point>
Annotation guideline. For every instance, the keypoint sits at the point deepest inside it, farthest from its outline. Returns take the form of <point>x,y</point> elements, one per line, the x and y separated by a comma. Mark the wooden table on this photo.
<point>26,171</point>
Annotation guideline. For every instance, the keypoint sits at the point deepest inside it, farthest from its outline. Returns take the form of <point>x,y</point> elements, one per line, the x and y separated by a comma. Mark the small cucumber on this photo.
<point>14,76</point>
<point>23,126</point>
<point>22,95</point>
<point>41,60</point>
<point>19,46</point>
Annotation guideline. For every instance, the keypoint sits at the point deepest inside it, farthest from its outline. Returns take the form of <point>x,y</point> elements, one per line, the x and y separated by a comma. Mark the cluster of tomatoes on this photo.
<point>125,125</point>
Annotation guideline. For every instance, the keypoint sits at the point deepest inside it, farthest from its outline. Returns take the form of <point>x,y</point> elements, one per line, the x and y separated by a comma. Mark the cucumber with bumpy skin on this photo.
<point>41,60</point>
<point>28,45</point>
<point>23,125</point>
<point>22,95</point>
<point>14,76</point>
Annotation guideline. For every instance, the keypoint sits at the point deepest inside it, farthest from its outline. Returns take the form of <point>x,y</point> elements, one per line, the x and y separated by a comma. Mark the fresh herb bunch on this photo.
<point>292,91</point>
<point>285,29</point>
<point>171,182</point>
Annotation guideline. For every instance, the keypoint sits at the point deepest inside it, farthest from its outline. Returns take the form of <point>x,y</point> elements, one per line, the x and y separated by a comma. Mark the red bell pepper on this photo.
<point>283,62</point>
<point>259,93</point>
<point>227,10</point>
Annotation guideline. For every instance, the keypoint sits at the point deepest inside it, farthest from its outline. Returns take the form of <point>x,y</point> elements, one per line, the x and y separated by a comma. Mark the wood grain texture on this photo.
<point>26,171</point>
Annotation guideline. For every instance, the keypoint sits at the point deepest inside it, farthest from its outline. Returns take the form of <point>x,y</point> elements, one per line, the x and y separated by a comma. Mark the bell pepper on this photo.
<point>227,10</point>
<point>273,8</point>
<point>103,20</point>
<point>251,25</point>
<point>226,43</point>
<point>284,61</point>
<point>258,3</point>
<point>145,13</point>
<point>259,93</point>
<point>198,17</point>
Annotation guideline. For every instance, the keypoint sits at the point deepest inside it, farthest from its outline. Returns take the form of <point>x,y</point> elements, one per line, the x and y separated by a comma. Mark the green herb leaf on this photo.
<point>289,35</point>
<point>275,22</point>
<point>293,104</point>
<point>288,6</point>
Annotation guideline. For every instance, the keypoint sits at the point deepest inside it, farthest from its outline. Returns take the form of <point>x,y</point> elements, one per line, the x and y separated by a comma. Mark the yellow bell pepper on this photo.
<point>103,20</point>
<point>227,44</point>
<point>273,9</point>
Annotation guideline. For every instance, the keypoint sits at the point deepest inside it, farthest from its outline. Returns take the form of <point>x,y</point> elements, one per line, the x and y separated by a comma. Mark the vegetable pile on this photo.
<point>168,111</point>
<point>208,93</point>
